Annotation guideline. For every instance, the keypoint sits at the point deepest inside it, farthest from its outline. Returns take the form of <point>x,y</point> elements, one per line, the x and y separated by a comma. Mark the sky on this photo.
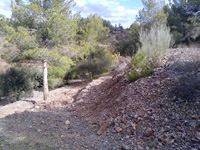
<point>116,11</point>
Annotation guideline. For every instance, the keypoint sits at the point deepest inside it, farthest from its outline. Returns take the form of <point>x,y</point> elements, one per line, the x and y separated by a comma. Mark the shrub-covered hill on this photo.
<point>160,112</point>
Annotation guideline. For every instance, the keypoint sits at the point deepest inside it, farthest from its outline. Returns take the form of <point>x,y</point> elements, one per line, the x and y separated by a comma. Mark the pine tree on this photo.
<point>152,13</point>
<point>184,19</point>
<point>39,29</point>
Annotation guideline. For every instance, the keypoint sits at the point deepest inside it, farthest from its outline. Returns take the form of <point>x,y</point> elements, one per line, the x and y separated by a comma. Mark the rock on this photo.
<point>157,82</point>
<point>179,100</point>
<point>123,126</point>
<point>140,147</point>
<point>102,129</point>
<point>37,107</point>
<point>197,135</point>
<point>67,122</point>
<point>198,76</point>
<point>125,147</point>
<point>192,124</point>
<point>149,132</point>
<point>118,129</point>
<point>134,126</point>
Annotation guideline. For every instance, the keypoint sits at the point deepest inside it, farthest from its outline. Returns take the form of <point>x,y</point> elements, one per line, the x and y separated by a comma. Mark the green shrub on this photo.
<point>97,63</point>
<point>57,71</point>
<point>15,84</point>
<point>134,75</point>
<point>128,42</point>
<point>36,75</point>
<point>155,44</point>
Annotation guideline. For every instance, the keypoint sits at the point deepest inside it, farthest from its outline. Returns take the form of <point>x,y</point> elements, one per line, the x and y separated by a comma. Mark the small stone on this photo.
<point>125,147</point>
<point>197,135</point>
<point>102,129</point>
<point>192,124</point>
<point>140,147</point>
<point>134,126</point>
<point>171,141</point>
<point>118,129</point>
<point>157,82</point>
<point>39,130</point>
<point>123,126</point>
<point>37,107</point>
<point>149,132</point>
<point>124,119</point>
<point>67,122</point>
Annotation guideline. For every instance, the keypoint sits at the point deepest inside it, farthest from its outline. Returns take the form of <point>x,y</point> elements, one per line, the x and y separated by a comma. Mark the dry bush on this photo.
<point>155,43</point>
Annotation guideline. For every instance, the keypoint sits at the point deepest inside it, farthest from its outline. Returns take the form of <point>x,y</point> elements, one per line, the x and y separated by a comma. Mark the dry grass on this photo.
<point>155,43</point>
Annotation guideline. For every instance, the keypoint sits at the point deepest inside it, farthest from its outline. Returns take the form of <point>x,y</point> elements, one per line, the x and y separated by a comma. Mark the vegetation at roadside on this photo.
<point>155,39</point>
<point>15,84</point>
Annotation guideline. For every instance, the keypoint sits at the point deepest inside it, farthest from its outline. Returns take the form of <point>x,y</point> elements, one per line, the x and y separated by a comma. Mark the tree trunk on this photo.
<point>45,80</point>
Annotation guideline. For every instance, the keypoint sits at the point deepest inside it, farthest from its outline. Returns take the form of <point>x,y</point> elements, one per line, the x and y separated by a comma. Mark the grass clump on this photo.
<point>155,44</point>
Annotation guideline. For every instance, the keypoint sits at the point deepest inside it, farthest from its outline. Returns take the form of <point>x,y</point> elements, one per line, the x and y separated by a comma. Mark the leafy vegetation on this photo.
<point>96,63</point>
<point>128,42</point>
<point>152,14</point>
<point>15,84</point>
<point>186,13</point>
<point>39,29</point>
<point>155,39</point>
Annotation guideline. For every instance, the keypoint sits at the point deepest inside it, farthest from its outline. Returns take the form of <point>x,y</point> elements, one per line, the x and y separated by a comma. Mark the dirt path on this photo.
<point>33,124</point>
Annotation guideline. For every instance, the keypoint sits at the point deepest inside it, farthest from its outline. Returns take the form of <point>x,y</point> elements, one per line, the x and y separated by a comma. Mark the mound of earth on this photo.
<point>160,112</point>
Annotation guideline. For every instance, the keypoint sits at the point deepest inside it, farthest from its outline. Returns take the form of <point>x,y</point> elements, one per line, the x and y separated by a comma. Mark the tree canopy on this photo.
<point>40,29</point>
<point>186,13</point>
<point>152,13</point>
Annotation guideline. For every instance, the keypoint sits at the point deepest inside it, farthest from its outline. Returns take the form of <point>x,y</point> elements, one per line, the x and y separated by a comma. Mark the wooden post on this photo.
<point>45,80</point>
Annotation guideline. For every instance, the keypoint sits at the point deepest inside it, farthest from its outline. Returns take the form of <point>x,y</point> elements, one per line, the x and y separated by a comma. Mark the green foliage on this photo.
<point>3,23</point>
<point>152,13</point>
<point>107,23</point>
<point>139,60</point>
<point>97,63</point>
<point>154,46</point>
<point>188,18</point>
<point>36,76</point>
<point>93,30</point>
<point>58,69</point>
<point>128,41</point>
<point>134,75</point>
<point>15,84</point>
<point>40,29</point>
<point>141,67</point>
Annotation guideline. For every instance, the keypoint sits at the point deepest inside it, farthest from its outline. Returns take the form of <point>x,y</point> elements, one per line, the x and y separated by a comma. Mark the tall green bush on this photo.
<point>155,44</point>
<point>96,63</point>
<point>15,84</point>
